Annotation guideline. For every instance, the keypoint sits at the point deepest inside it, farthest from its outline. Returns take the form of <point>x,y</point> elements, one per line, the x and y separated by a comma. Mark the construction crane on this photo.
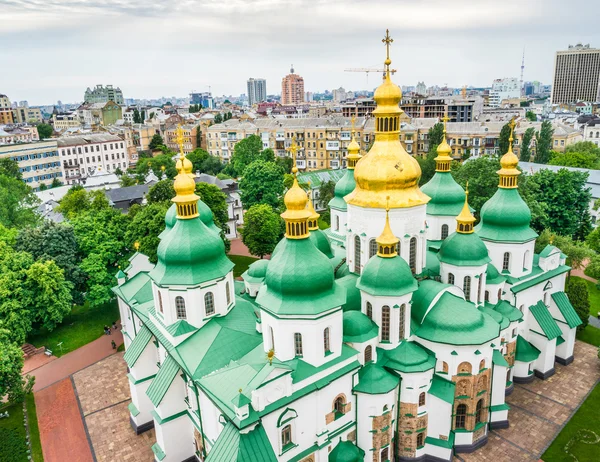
<point>366,70</point>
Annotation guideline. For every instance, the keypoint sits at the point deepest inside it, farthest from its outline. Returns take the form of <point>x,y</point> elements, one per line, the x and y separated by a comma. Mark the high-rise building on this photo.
<point>502,89</point>
<point>576,75</point>
<point>292,88</point>
<point>203,98</point>
<point>257,91</point>
<point>102,94</point>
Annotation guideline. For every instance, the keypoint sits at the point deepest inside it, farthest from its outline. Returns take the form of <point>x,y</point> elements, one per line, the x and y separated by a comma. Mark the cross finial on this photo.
<point>511,124</point>
<point>180,140</point>
<point>388,41</point>
<point>293,150</point>
<point>445,119</point>
<point>387,204</point>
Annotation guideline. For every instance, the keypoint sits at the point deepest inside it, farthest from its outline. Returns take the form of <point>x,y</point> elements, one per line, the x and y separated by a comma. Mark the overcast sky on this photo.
<point>54,49</point>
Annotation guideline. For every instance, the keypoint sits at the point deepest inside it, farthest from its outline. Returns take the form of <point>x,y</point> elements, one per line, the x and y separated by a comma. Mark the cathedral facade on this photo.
<point>394,335</point>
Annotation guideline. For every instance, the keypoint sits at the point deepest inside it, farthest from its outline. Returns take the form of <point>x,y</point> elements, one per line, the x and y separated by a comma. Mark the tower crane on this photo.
<point>366,70</point>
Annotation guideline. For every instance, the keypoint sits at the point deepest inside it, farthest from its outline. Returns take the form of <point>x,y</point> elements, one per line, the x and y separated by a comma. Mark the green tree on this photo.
<point>427,163</point>
<point>212,196</point>
<point>212,166</point>
<point>197,158</point>
<point>156,141</point>
<point>262,183</point>
<point>503,139</point>
<point>530,115</point>
<point>10,168</point>
<point>43,186</point>
<point>262,230</point>
<point>578,294</point>
<point>128,180</point>
<point>163,163</point>
<point>55,183</point>
<point>544,143</point>
<point>146,224</point>
<point>593,267</point>
<point>574,159</point>
<point>576,252</point>
<point>162,191</point>
<point>198,136</point>
<point>584,146</point>
<point>247,151</point>
<point>44,131</point>
<point>218,119</point>
<point>18,203</point>
<point>525,154</point>
<point>286,163</point>
<point>12,384</point>
<point>326,193</point>
<point>136,117</point>
<point>78,200</point>
<point>482,178</point>
<point>143,117</point>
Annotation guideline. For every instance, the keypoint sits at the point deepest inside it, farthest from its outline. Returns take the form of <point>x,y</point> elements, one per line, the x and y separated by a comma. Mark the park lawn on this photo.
<point>586,418</point>
<point>590,335</point>
<point>13,443</point>
<point>594,296</point>
<point>241,264</point>
<point>34,430</point>
<point>83,325</point>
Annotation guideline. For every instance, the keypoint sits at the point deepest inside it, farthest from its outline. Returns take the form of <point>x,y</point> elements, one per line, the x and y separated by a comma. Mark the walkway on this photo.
<point>239,248</point>
<point>76,360</point>
<point>540,409</point>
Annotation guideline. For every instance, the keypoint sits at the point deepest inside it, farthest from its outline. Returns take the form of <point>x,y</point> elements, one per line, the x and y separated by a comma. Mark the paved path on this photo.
<point>35,361</point>
<point>239,248</point>
<point>76,360</point>
<point>580,274</point>
<point>594,321</point>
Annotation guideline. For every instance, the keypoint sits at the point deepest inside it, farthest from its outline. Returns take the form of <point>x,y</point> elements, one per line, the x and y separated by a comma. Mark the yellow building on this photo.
<point>25,114</point>
<point>190,138</point>
<point>66,120</point>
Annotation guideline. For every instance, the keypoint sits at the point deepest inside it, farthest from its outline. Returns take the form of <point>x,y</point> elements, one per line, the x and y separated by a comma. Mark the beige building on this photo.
<point>65,120</point>
<point>13,134</point>
<point>563,136</point>
<point>142,135</point>
<point>26,114</point>
<point>39,162</point>
<point>190,138</point>
<point>6,115</point>
<point>292,88</point>
<point>576,75</point>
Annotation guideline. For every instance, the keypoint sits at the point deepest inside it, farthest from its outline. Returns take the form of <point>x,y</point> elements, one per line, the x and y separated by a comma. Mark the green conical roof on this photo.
<point>203,211</point>
<point>387,276</point>
<point>343,187</point>
<point>256,272</point>
<point>189,254</point>
<point>358,327</point>
<point>375,380</point>
<point>409,357</point>
<point>447,196</point>
<point>321,242</point>
<point>506,218</point>
<point>493,276</point>
<point>346,451</point>
<point>353,300</point>
<point>300,281</point>
<point>463,250</point>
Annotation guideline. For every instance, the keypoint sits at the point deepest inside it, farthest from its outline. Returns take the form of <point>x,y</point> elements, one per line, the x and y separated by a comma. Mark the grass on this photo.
<point>590,335</point>
<point>34,431</point>
<point>13,445</point>
<point>83,325</point>
<point>594,296</point>
<point>241,264</point>
<point>121,347</point>
<point>584,421</point>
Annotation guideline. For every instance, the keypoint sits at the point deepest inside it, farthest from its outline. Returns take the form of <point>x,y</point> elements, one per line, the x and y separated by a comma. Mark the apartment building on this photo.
<point>65,120</point>
<point>13,134</point>
<point>39,162</point>
<point>190,138</point>
<point>506,88</point>
<point>102,94</point>
<point>126,134</point>
<point>6,115</point>
<point>292,88</point>
<point>99,113</point>
<point>576,75</point>
<point>257,90</point>
<point>82,155</point>
<point>563,136</point>
<point>24,114</point>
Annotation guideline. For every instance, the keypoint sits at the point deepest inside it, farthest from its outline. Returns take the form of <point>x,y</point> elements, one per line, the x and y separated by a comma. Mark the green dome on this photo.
<point>375,380</point>
<point>463,250</point>
<point>422,298</point>
<point>506,218</point>
<point>256,271</point>
<point>171,216</point>
<point>409,357</point>
<point>496,316</point>
<point>447,196</point>
<point>299,280</point>
<point>387,276</point>
<point>207,218</point>
<point>189,254</point>
<point>492,275</point>
<point>321,242</point>
<point>346,451</point>
<point>353,300</point>
<point>358,327</point>
<point>343,187</point>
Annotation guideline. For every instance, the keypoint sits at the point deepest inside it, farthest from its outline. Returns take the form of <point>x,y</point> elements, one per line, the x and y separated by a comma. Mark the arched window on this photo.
<point>385,324</point>
<point>286,436</point>
<point>487,296</point>
<point>180,307</point>
<point>422,399</point>
<point>445,367</point>
<point>372,247</point>
<point>450,278</point>
<point>420,439</point>
<point>401,322</point>
<point>298,344</point>
<point>526,260</point>
<point>444,231</point>
<point>499,294</point>
<point>385,453</point>
<point>326,343</point>
<point>479,284</point>
<point>464,368</point>
<point>357,254</point>
<point>412,259</point>
<point>369,310</point>
<point>482,365</point>
<point>506,261</point>
<point>337,223</point>
<point>467,287</point>
<point>339,405</point>
<point>478,409</point>
<point>368,354</point>
<point>209,304</point>
<point>227,293</point>
<point>460,416</point>
<point>272,337</point>
<point>160,305</point>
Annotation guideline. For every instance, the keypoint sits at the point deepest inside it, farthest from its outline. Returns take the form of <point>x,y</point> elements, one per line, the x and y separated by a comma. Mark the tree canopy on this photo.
<point>584,154</point>
<point>163,163</point>
<point>262,230</point>
<point>503,139</point>
<point>577,291</point>
<point>145,224</point>
<point>203,162</point>
<point>44,131</point>
<point>156,141</point>
<point>162,191</point>
<point>525,154</point>
<point>544,143</point>
<point>249,150</point>
<point>18,203</point>
<point>262,183</point>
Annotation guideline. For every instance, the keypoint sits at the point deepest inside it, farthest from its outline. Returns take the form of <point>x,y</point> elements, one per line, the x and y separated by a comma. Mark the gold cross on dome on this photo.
<point>445,119</point>
<point>180,139</point>
<point>294,148</point>
<point>388,41</point>
<point>511,124</point>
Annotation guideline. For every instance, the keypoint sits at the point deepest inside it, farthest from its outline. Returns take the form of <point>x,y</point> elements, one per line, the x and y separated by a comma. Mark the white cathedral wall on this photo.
<point>412,385</point>
<point>439,424</point>
<point>210,419</point>
<point>465,353</point>
<point>545,361</point>
<point>369,406</point>
<point>140,400</point>
<point>522,369</point>
<point>338,222</point>
<point>435,223</point>
<point>406,223</point>
<point>477,275</point>
<point>377,304</point>
<point>528,297</point>
<point>173,400</point>
<point>498,385</point>
<point>565,349</point>
<point>312,331</point>
<point>521,256</point>
<point>176,438</point>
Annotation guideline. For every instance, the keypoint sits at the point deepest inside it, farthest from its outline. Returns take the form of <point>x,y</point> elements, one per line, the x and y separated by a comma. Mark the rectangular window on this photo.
<point>385,324</point>
<point>298,344</point>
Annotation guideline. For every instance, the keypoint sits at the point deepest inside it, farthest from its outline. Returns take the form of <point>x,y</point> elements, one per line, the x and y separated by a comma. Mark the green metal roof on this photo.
<point>300,281</point>
<point>407,357</point>
<point>564,306</point>
<point>190,254</point>
<point>455,321</point>
<point>560,340</point>
<point>422,298</point>
<point>387,276</point>
<point>321,242</point>
<point>505,217</point>
<point>317,177</point>
<point>256,272</point>
<point>358,327</point>
<point>240,400</point>
<point>233,446</point>
<point>353,299</point>
<point>498,359</point>
<point>545,320</point>
<point>137,289</point>
<point>493,276</point>
<point>375,380</point>
<point>302,370</point>
<point>501,320</point>
<point>543,276</point>
<point>346,451</point>
<point>138,345</point>
<point>508,311</point>
<point>463,250</point>
<point>180,327</point>
<point>442,389</point>
<point>432,264</point>
<point>548,250</point>
<point>447,196</point>
<point>120,275</point>
<point>163,380</point>
<point>526,352</point>
<point>344,186</point>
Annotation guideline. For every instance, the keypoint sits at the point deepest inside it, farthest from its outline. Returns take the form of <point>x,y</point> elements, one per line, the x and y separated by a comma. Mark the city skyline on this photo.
<point>434,42</point>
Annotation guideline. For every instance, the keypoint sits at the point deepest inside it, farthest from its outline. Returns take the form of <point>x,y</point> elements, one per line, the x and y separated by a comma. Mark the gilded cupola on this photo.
<point>296,214</point>
<point>185,198</point>
<point>509,161</point>
<point>387,169</point>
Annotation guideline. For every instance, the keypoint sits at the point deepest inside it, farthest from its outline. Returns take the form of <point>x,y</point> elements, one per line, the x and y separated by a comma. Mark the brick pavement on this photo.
<point>540,409</point>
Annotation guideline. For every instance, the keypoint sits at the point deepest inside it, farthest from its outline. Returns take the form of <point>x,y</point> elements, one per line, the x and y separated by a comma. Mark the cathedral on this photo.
<point>395,334</point>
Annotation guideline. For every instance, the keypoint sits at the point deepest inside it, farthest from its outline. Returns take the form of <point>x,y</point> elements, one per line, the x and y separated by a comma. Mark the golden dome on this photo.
<point>465,219</point>
<point>313,219</point>
<point>353,149</point>
<point>388,94</point>
<point>295,201</point>
<point>187,166</point>
<point>509,161</point>
<point>443,159</point>
<point>386,242</point>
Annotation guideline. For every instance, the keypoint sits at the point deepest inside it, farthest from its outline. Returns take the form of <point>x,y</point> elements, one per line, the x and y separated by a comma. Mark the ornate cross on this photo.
<point>180,139</point>
<point>293,150</point>
<point>388,41</point>
<point>511,124</point>
<point>445,119</point>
